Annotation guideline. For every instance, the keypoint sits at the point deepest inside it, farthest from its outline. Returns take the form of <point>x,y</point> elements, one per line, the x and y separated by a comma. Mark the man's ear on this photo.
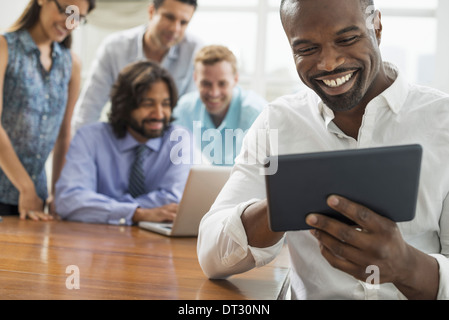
<point>151,11</point>
<point>378,26</point>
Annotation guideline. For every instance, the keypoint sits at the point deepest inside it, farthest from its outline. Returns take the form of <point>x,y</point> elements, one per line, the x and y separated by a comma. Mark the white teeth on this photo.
<point>338,82</point>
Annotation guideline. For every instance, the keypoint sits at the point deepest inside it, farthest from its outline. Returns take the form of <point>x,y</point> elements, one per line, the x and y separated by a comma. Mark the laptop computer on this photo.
<point>203,185</point>
<point>385,180</point>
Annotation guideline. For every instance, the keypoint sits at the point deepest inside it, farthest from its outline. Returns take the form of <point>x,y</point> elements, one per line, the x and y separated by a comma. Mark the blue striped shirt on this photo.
<point>34,103</point>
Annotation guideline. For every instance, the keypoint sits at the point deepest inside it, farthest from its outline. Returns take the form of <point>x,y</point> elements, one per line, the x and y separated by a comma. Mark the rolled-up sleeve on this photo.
<point>443,257</point>
<point>229,253</point>
<point>443,262</point>
<point>223,248</point>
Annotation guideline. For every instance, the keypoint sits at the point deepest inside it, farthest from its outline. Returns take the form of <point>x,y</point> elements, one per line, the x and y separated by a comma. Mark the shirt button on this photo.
<point>44,118</point>
<point>38,156</point>
<point>47,96</point>
<point>122,221</point>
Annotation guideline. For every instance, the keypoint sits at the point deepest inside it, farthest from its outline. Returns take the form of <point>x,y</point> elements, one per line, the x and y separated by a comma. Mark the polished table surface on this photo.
<point>117,262</point>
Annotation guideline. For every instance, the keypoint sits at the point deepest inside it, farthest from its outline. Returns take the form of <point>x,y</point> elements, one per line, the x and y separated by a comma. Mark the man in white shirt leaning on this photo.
<point>356,101</point>
<point>163,39</point>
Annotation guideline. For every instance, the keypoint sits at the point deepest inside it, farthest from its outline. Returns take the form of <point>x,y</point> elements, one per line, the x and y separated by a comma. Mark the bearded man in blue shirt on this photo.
<point>98,182</point>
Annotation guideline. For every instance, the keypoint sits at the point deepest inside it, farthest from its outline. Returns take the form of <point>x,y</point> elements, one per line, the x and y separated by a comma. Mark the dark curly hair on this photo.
<point>132,84</point>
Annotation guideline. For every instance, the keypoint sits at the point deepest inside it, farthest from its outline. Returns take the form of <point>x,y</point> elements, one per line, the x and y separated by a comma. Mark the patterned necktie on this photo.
<point>137,176</point>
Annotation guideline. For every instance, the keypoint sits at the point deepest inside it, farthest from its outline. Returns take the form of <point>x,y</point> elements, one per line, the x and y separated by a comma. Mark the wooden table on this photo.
<point>43,260</point>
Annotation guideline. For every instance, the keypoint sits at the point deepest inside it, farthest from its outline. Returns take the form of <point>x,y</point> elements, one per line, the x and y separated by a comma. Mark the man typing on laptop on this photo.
<point>121,172</point>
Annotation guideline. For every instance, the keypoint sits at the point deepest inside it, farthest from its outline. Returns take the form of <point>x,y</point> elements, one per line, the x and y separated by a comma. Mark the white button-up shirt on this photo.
<point>300,123</point>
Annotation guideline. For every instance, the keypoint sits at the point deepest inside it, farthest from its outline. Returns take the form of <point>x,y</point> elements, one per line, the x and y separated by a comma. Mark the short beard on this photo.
<point>140,128</point>
<point>343,102</point>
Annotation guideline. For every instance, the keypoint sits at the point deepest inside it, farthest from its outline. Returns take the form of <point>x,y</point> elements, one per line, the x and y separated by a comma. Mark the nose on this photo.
<point>157,112</point>
<point>214,91</point>
<point>330,59</point>
<point>176,26</point>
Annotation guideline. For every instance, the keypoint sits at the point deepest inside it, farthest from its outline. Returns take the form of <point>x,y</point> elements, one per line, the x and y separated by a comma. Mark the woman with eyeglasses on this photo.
<point>39,85</point>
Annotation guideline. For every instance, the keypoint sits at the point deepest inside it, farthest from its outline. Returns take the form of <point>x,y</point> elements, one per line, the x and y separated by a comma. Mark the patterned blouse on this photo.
<point>34,103</point>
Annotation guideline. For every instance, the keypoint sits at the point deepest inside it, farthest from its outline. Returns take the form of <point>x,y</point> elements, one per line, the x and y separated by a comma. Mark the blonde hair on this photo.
<point>213,54</point>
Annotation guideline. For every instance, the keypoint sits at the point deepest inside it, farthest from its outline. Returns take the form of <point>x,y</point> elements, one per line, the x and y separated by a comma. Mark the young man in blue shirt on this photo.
<point>220,112</point>
<point>98,183</point>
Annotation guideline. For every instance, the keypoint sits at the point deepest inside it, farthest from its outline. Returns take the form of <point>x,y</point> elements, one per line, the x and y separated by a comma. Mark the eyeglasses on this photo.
<point>79,19</point>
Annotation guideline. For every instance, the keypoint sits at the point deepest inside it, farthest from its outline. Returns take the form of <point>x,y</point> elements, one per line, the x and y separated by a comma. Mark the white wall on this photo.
<point>442,56</point>
<point>87,39</point>
<point>10,10</point>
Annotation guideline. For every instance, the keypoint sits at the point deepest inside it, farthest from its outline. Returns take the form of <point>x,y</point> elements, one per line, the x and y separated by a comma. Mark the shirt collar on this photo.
<point>394,96</point>
<point>30,46</point>
<point>140,39</point>
<point>232,115</point>
<point>397,93</point>
<point>172,54</point>
<point>28,43</point>
<point>128,143</point>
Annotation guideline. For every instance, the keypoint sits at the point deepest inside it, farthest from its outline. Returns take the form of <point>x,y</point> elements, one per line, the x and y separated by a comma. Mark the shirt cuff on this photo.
<point>122,214</point>
<point>443,291</point>
<point>238,249</point>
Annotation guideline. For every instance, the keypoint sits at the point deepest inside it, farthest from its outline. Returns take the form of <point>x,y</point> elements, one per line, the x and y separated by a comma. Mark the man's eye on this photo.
<point>305,51</point>
<point>349,40</point>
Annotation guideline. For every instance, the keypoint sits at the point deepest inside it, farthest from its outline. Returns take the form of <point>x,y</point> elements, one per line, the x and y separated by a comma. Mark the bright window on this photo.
<point>252,29</point>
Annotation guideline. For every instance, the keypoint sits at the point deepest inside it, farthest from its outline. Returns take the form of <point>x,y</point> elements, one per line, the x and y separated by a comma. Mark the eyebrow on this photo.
<point>338,33</point>
<point>152,99</point>
<point>300,42</point>
<point>347,29</point>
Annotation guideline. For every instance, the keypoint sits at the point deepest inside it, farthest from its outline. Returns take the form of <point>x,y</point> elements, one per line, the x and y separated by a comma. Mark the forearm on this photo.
<point>60,150</point>
<point>223,247</point>
<point>158,198</point>
<point>421,279</point>
<point>11,165</point>
<point>91,207</point>
<point>62,143</point>
<point>255,222</point>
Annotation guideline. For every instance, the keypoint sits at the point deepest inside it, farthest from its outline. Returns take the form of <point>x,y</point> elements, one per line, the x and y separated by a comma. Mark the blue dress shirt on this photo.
<point>119,50</point>
<point>93,186</point>
<point>219,145</point>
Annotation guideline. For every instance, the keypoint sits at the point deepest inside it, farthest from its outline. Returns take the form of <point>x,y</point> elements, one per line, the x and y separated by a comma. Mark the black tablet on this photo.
<point>385,179</point>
